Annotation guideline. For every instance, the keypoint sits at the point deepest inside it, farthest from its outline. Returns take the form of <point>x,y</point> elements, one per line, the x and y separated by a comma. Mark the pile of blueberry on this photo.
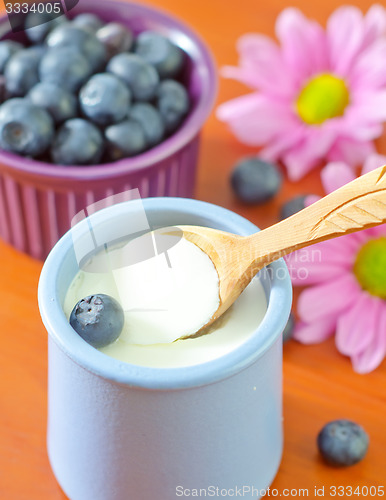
<point>84,92</point>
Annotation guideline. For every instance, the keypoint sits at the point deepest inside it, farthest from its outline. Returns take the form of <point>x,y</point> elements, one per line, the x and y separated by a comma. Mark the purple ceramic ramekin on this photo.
<point>38,200</point>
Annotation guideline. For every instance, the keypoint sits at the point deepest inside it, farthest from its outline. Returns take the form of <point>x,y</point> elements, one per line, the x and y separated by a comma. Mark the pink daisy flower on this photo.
<point>347,275</point>
<point>320,95</point>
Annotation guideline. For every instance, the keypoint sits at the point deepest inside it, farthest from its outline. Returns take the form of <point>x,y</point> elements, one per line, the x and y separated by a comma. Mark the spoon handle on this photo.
<point>360,204</point>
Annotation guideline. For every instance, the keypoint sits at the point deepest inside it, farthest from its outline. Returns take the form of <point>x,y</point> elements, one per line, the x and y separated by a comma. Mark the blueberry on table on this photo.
<point>7,49</point>
<point>255,181</point>
<point>342,442</point>
<point>24,128</point>
<point>37,25</point>
<point>173,103</point>
<point>65,66</point>
<point>105,99</point>
<point>59,102</point>
<point>21,71</point>
<point>77,142</point>
<point>160,52</point>
<point>141,78</point>
<point>116,38</point>
<point>87,21</point>
<point>98,319</point>
<point>150,120</point>
<point>292,206</point>
<point>68,35</point>
<point>125,139</point>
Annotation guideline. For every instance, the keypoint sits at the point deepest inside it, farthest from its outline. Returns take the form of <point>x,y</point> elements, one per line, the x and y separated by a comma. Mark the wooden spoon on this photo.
<point>358,205</point>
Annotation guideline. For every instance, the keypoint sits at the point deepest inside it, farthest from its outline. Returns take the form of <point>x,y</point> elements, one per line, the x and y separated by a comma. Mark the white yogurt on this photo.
<point>166,297</point>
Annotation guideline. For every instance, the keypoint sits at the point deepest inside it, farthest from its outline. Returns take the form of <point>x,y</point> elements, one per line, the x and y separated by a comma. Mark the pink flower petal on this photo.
<point>361,237</point>
<point>283,142</point>
<point>321,301</point>
<point>337,255</point>
<point>262,65</point>
<point>355,327</point>
<point>303,43</point>
<point>340,250</point>
<point>305,156</point>
<point>374,161</point>
<point>336,174</point>
<point>313,333</point>
<point>368,70</point>
<point>369,108</point>
<point>254,118</point>
<point>310,199</point>
<point>350,151</point>
<point>372,356</point>
<point>345,36</point>
<point>377,231</point>
<point>356,124</point>
<point>375,23</point>
<point>311,275</point>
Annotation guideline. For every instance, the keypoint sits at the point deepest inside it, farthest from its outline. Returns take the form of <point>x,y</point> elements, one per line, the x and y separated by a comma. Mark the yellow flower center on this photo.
<point>325,96</point>
<point>370,267</point>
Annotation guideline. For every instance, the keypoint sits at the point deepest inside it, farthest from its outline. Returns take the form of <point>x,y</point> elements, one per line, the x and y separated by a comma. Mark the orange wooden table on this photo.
<point>319,384</point>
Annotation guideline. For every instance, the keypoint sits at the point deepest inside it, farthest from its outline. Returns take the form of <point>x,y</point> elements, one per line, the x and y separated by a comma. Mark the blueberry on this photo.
<point>160,52</point>
<point>98,319</point>
<point>125,139</point>
<point>289,328</point>
<point>105,99</point>
<point>173,103</point>
<point>150,120</point>
<point>9,105</point>
<point>88,21</point>
<point>24,128</point>
<point>342,442</point>
<point>255,181</point>
<point>292,206</point>
<point>68,35</point>
<point>21,71</point>
<point>65,66</point>
<point>77,142</point>
<point>116,38</point>
<point>7,49</point>
<point>141,77</point>
<point>3,89</point>
<point>59,102</point>
<point>37,25</point>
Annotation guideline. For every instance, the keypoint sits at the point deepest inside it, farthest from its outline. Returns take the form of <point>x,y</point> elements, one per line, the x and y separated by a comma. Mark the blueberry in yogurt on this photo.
<point>98,319</point>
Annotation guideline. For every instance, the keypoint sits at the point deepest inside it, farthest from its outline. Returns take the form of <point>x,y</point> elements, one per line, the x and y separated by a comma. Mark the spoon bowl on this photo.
<point>358,205</point>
